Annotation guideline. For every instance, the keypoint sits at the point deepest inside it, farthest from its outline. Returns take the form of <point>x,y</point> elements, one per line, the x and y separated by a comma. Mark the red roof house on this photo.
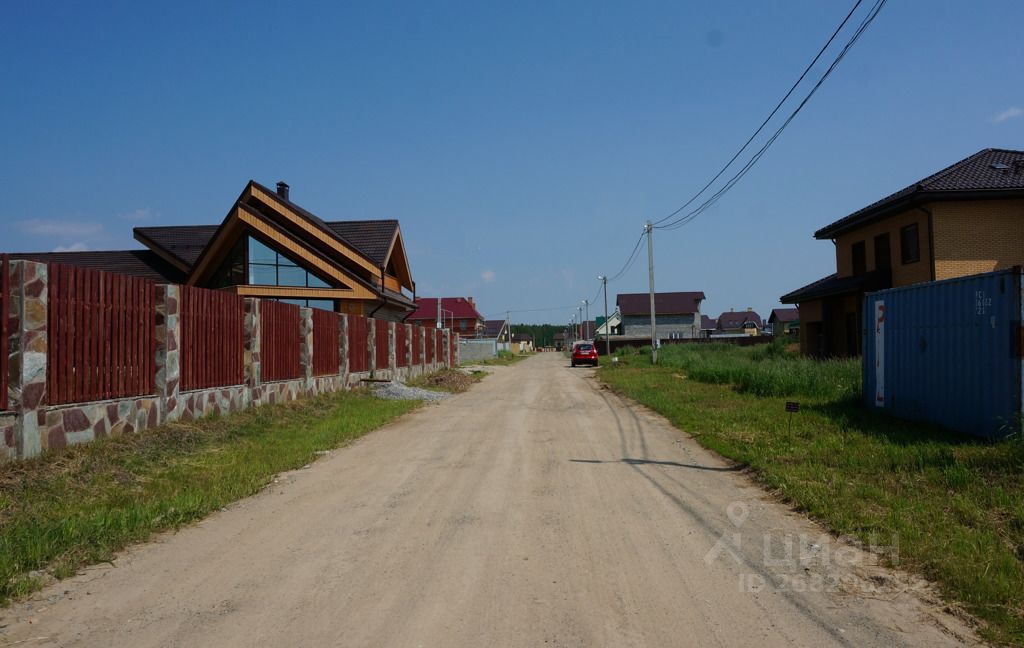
<point>457,313</point>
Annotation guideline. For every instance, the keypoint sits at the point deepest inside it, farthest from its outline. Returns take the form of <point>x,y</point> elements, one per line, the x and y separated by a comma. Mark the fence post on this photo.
<point>168,354</point>
<point>252,348</point>
<point>446,348</point>
<point>343,346</point>
<point>408,345</point>
<point>28,348</point>
<point>423,347</point>
<point>306,349</point>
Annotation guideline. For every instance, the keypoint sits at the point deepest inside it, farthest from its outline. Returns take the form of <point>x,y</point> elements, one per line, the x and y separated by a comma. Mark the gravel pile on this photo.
<point>401,391</point>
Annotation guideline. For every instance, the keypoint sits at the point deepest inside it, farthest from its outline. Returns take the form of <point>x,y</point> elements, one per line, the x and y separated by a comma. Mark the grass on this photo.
<point>81,505</point>
<point>953,505</point>
<point>504,358</point>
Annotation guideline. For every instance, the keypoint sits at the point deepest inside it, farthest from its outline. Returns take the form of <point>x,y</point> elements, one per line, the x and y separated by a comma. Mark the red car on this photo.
<point>584,353</point>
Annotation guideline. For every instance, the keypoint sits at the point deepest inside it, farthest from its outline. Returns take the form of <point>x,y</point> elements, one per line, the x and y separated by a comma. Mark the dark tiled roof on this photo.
<point>522,337</point>
<point>138,263</point>
<point>493,328</point>
<point>457,307</point>
<point>707,324</point>
<point>184,242</point>
<point>187,242</point>
<point>784,315</point>
<point>835,285</point>
<point>736,319</point>
<point>979,173</point>
<point>371,237</point>
<point>666,303</point>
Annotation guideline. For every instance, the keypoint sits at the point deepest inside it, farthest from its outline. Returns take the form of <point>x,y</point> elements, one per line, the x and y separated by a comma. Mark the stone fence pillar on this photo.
<point>306,349</point>
<point>343,348</point>
<point>168,359</point>
<point>27,349</point>
<point>252,348</point>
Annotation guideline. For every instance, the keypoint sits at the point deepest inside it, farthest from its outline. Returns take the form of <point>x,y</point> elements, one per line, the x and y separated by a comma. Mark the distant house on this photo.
<point>269,247</point>
<point>522,343</point>
<point>611,326</point>
<point>587,330</point>
<point>707,326</point>
<point>963,220</point>
<point>559,341</point>
<point>746,322</point>
<point>784,321</point>
<point>457,313</point>
<point>678,314</point>
<point>496,329</point>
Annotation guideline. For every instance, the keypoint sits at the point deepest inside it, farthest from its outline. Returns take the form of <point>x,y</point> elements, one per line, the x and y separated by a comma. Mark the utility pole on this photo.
<point>650,271</point>
<point>580,310</point>
<point>607,328</point>
<point>508,328</point>
<point>586,320</point>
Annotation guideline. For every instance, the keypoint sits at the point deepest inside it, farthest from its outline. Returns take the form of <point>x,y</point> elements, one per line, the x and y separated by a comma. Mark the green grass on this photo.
<point>504,358</point>
<point>953,504</point>
<point>79,506</point>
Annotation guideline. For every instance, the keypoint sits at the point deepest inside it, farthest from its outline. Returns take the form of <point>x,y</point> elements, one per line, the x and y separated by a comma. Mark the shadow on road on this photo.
<point>645,462</point>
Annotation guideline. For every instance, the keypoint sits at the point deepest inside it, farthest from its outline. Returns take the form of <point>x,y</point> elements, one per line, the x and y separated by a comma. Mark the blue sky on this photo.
<point>521,146</point>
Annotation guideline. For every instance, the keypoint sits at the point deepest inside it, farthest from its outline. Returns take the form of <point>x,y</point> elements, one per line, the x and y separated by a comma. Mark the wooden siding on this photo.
<point>101,335</point>
<point>326,343</point>
<point>358,344</point>
<point>279,341</point>
<point>212,338</point>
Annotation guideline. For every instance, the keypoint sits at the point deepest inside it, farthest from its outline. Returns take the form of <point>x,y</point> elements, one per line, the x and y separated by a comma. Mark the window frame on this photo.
<point>863,269</point>
<point>905,257</point>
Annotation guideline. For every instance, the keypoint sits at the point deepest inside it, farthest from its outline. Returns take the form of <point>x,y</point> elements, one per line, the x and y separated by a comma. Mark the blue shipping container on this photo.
<point>948,352</point>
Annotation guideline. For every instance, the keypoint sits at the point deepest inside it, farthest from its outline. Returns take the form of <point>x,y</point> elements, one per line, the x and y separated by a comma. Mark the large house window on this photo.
<point>268,267</point>
<point>322,304</point>
<point>910,247</point>
<point>860,260</point>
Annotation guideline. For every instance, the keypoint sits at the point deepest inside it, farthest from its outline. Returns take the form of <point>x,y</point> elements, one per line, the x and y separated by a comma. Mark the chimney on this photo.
<point>282,189</point>
<point>471,303</point>
<point>749,309</point>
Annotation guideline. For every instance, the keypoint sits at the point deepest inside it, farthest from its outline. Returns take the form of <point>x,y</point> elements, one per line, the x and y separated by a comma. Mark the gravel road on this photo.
<point>537,509</point>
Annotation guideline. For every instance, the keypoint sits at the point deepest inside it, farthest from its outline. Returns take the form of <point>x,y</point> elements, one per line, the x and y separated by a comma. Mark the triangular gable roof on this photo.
<point>784,315</point>
<point>359,248</point>
<point>665,303</point>
<point>989,173</point>
<point>736,319</point>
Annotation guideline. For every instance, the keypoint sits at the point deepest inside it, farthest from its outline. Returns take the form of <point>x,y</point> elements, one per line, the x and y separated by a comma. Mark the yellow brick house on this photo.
<point>965,219</point>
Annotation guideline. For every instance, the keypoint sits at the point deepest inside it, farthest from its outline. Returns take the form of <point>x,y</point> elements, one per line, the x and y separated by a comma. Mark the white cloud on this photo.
<point>1009,113</point>
<point>138,215</point>
<point>51,227</point>
<point>78,246</point>
<point>488,276</point>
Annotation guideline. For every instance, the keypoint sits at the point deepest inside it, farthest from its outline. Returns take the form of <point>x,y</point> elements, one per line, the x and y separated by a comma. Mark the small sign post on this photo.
<point>792,407</point>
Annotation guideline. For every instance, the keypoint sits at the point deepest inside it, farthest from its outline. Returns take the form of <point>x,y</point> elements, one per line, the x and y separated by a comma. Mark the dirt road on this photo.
<point>535,510</point>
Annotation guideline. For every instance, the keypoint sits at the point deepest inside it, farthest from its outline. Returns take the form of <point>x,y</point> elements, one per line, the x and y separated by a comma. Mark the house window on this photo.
<point>883,257</point>
<point>860,260</point>
<point>322,304</point>
<point>270,268</point>
<point>910,248</point>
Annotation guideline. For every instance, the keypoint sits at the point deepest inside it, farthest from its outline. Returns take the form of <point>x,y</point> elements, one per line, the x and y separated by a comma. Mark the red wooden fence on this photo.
<point>100,332</point>
<point>453,349</point>
<point>381,343</point>
<point>279,341</point>
<point>417,345</point>
<point>439,345</point>
<point>5,289</point>
<point>212,338</point>
<point>358,341</point>
<point>401,353</point>
<point>326,354</point>
<point>428,345</point>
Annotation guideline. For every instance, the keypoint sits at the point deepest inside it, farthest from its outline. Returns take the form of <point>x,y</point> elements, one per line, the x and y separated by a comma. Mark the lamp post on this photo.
<point>586,320</point>
<point>607,329</point>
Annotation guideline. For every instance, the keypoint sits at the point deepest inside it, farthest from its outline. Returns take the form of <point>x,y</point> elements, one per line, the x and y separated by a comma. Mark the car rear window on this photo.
<point>586,347</point>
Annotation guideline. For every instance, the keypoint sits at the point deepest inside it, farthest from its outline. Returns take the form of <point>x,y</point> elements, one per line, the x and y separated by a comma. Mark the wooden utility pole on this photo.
<point>650,271</point>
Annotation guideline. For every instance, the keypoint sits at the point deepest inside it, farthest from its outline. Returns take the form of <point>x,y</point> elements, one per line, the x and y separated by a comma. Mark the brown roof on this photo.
<point>989,173</point>
<point>665,303</point>
<point>736,319</point>
<point>493,328</point>
<point>707,324</point>
<point>836,285</point>
<point>138,263</point>
<point>784,315</point>
<point>183,242</point>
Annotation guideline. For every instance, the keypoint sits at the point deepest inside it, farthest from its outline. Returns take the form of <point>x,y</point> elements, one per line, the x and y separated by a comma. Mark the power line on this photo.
<point>629,262</point>
<point>865,23</point>
<point>766,119</point>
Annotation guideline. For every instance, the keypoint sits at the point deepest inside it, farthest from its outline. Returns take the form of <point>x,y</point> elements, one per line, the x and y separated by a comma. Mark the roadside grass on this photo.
<point>952,507</point>
<point>504,358</point>
<point>79,506</point>
<point>452,381</point>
